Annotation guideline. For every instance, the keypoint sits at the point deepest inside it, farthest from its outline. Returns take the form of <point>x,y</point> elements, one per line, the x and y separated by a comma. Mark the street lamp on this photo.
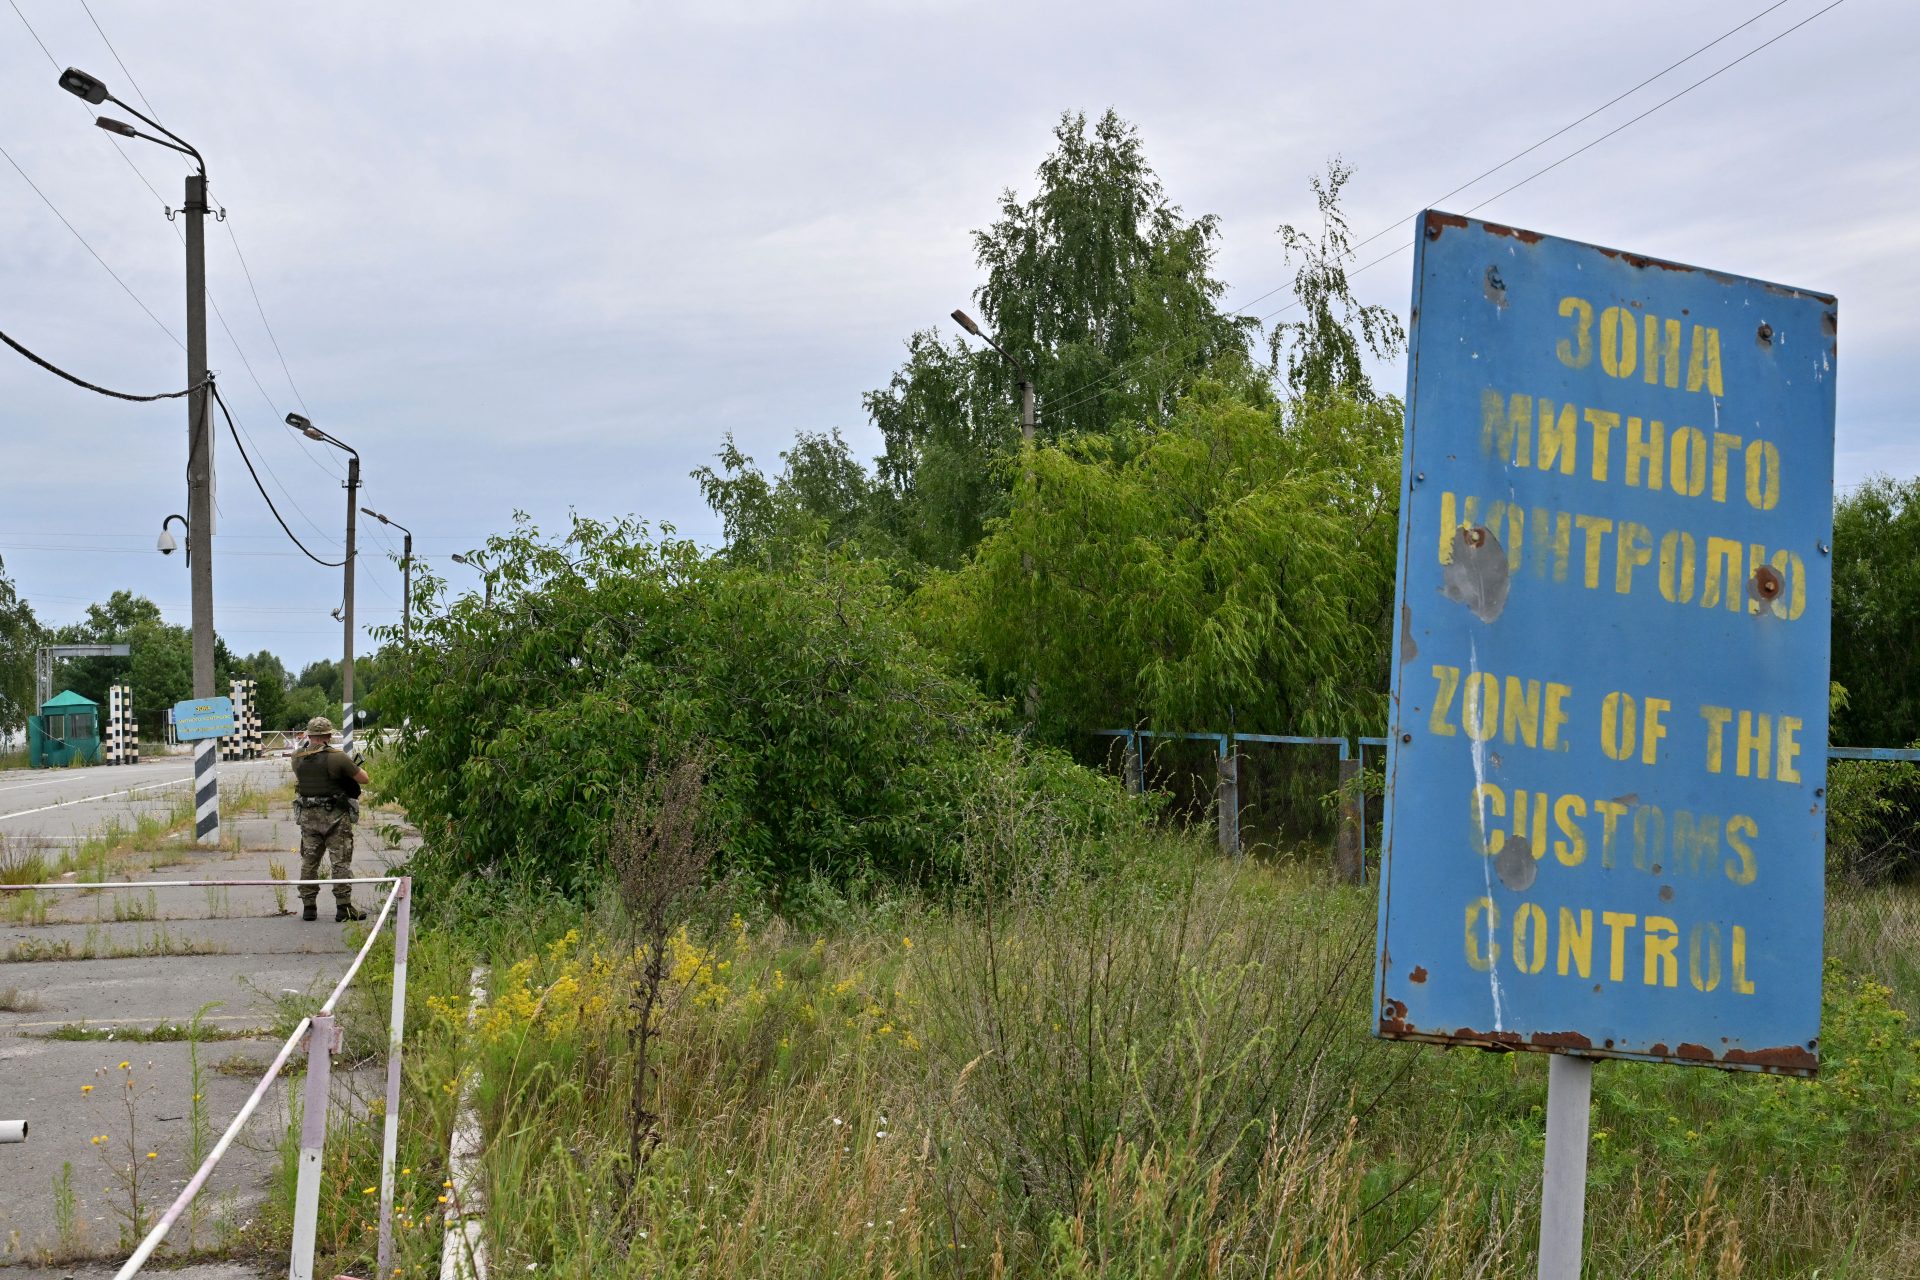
<point>306,428</point>
<point>474,562</point>
<point>199,518</point>
<point>966,322</point>
<point>406,574</point>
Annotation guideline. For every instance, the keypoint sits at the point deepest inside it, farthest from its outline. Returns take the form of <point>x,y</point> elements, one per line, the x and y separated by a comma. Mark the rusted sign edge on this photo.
<point>1783,1060</point>
<point>1437,223</point>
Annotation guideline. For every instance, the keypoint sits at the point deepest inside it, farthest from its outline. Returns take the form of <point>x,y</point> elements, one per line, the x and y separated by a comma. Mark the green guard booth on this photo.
<point>67,731</point>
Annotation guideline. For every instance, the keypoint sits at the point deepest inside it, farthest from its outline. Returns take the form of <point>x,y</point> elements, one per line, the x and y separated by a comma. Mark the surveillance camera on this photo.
<point>166,543</point>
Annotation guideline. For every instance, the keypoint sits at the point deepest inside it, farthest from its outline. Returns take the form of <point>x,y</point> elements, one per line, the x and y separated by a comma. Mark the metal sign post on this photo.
<point>1606,777</point>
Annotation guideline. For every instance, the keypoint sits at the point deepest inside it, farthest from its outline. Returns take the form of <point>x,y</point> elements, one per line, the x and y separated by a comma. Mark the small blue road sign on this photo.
<point>1606,777</point>
<point>199,718</point>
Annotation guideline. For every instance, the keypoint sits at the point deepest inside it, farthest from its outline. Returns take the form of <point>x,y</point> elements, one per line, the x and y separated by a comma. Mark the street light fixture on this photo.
<point>966,322</point>
<point>345,613</point>
<point>474,562</point>
<point>406,573</point>
<point>199,516</point>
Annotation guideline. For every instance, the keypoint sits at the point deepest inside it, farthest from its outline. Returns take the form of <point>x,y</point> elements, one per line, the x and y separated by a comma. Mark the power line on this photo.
<point>90,249</point>
<point>116,57</point>
<point>1079,396</point>
<point>221,401</point>
<point>78,381</point>
<point>178,236</point>
<point>134,551</point>
<point>119,150</point>
<point>257,306</point>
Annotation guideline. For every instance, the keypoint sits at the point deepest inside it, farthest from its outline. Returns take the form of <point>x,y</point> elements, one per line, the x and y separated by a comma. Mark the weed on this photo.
<point>14,1000</point>
<point>277,871</point>
<point>160,942</point>
<point>129,910</point>
<point>128,1161</point>
<point>65,1226</point>
<point>159,1033</point>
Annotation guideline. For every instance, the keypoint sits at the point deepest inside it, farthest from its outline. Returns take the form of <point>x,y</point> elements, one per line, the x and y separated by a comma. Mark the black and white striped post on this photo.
<point>206,790</point>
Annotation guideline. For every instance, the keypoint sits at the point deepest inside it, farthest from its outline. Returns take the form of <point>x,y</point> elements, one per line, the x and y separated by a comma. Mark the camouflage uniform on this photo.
<point>326,814</point>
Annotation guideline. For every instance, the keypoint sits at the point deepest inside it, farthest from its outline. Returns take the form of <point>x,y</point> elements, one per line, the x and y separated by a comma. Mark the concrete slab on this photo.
<point>263,957</point>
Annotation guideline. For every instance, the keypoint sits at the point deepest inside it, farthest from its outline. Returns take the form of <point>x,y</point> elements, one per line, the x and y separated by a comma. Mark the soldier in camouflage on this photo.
<point>326,783</point>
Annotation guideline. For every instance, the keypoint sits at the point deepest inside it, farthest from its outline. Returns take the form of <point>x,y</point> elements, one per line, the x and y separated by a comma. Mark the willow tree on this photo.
<point>1238,560</point>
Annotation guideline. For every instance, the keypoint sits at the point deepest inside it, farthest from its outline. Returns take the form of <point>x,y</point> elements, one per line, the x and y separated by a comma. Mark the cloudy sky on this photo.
<point>542,257</point>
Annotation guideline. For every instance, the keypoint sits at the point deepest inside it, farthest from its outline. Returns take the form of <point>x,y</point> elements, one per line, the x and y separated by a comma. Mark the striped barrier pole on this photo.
<point>206,791</point>
<point>346,728</point>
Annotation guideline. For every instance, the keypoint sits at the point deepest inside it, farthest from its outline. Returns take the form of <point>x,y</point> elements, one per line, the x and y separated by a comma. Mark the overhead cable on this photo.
<point>234,432</point>
<point>78,381</point>
<point>90,249</point>
<point>1081,395</point>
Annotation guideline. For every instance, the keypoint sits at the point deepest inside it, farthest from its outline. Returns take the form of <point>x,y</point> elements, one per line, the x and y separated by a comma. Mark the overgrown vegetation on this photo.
<point>1152,1069</point>
<point>841,746</point>
<point>816,952</point>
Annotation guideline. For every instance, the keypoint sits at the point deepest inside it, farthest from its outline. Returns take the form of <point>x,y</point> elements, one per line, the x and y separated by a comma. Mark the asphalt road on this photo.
<point>117,963</point>
<point>62,805</point>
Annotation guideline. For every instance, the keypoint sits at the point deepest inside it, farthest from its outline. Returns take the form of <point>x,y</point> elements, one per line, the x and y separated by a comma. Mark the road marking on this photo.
<point>154,786</point>
<point>57,779</point>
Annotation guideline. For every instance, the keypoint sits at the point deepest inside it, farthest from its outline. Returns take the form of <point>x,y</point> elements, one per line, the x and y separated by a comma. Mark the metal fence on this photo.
<point>1291,788</point>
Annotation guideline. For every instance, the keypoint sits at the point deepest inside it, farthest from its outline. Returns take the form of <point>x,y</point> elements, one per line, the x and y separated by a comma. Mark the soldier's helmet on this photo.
<point>319,724</point>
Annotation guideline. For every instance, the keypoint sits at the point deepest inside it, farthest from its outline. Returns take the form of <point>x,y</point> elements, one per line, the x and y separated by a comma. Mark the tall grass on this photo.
<point>1159,1069</point>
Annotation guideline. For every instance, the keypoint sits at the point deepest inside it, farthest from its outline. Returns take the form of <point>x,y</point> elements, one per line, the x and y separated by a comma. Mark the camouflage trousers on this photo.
<point>329,830</point>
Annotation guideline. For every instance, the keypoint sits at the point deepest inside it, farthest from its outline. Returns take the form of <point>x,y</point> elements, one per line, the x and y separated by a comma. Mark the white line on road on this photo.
<point>62,776</point>
<point>90,799</point>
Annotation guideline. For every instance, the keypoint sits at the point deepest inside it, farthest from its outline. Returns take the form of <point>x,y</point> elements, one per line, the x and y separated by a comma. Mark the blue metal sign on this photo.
<point>199,718</point>
<point>1607,771</point>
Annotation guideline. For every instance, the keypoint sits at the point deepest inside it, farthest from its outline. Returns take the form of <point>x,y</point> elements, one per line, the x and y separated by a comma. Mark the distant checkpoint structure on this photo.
<point>1606,773</point>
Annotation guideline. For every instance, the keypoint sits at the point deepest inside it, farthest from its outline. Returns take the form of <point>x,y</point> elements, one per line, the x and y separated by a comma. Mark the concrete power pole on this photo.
<point>206,752</point>
<point>406,591</point>
<point>346,609</point>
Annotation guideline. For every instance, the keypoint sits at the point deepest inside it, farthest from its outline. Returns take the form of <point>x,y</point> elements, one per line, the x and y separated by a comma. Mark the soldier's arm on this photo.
<point>360,776</point>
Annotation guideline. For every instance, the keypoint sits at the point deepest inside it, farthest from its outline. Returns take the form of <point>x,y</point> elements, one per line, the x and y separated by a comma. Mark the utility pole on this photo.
<point>1027,417</point>
<point>306,428</point>
<point>206,753</point>
<point>346,609</point>
<point>406,573</point>
<point>199,440</point>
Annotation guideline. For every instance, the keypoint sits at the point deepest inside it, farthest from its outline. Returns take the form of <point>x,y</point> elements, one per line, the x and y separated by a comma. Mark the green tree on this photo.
<point>159,668</point>
<point>1239,561</point>
<point>270,678</point>
<point>821,495</point>
<point>301,704</point>
<point>1322,349</point>
<point>19,637</point>
<point>1099,284</point>
<point>323,675</point>
<point>1876,612</point>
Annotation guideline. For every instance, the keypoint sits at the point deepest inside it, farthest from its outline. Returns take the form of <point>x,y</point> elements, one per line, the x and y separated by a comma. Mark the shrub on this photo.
<point>839,747</point>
